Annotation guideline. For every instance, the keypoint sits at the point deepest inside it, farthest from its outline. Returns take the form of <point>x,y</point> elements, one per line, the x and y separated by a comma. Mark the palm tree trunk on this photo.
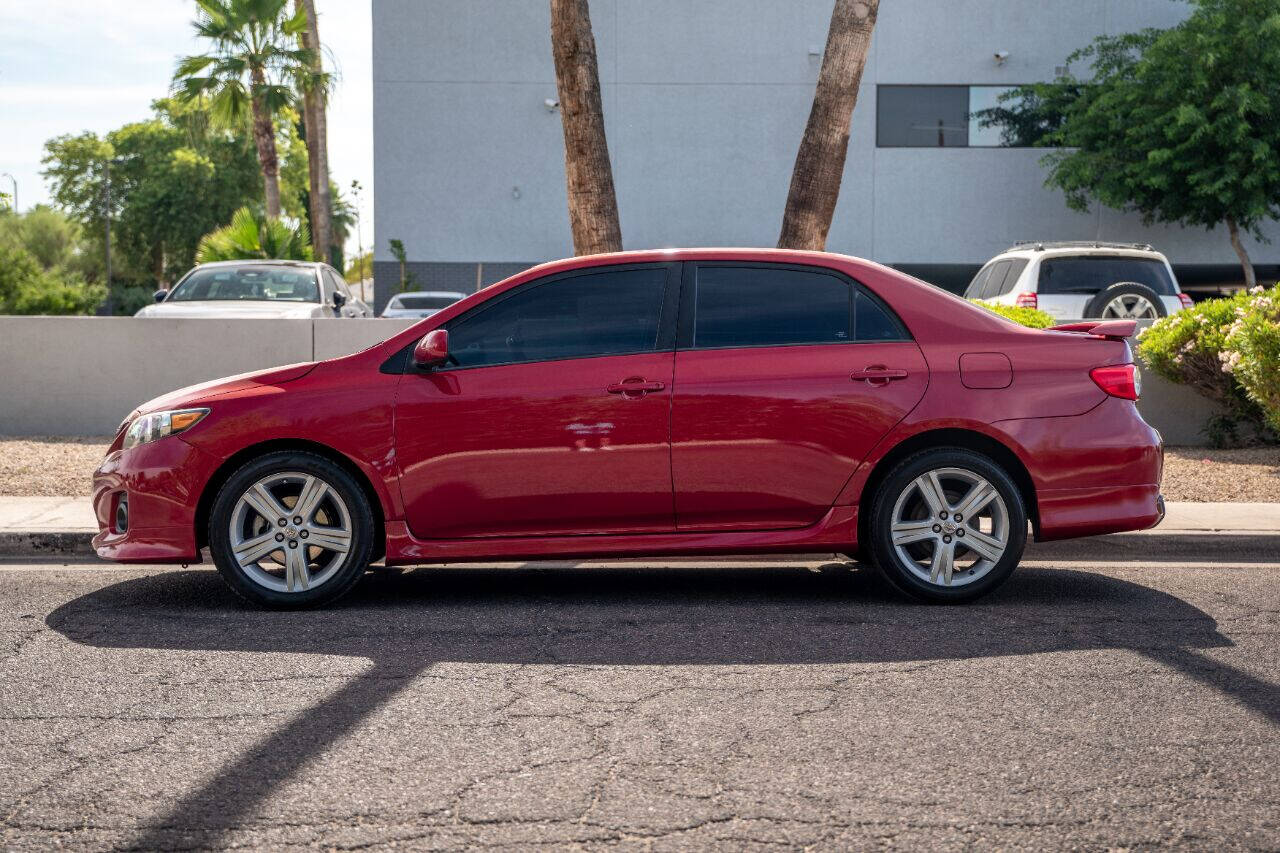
<point>316,122</point>
<point>593,206</point>
<point>264,136</point>
<point>1250,278</point>
<point>815,180</point>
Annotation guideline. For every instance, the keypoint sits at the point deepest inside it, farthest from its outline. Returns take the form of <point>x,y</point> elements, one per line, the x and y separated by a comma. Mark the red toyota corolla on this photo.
<point>670,402</point>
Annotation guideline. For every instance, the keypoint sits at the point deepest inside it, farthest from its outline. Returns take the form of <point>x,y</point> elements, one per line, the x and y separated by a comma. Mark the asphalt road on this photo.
<point>1085,705</point>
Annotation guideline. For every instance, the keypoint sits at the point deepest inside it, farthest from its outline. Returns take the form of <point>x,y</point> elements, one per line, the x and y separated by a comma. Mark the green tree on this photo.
<point>359,268</point>
<point>172,179</point>
<point>29,287</point>
<point>250,236</point>
<point>247,74</point>
<point>1179,125</point>
<point>402,257</point>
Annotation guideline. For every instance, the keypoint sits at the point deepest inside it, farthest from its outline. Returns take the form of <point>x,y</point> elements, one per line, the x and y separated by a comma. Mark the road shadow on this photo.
<point>752,615</point>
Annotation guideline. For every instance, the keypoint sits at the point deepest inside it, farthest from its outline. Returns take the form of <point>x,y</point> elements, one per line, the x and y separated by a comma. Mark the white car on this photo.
<point>1071,281</point>
<point>272,289</point>
<point>420,303</point>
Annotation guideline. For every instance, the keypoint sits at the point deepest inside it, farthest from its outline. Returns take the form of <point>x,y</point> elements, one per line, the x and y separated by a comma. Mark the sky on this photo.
<point>68,66</point>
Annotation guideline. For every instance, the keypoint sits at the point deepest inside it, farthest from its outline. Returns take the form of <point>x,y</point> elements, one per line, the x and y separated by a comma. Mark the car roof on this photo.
<point>459,294</point>
<point>1080,250</point>
<point>261,263</point>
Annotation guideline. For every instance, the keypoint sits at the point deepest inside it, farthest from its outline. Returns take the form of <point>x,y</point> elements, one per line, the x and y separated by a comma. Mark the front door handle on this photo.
<point>877,374</point>
<point>635,387</point>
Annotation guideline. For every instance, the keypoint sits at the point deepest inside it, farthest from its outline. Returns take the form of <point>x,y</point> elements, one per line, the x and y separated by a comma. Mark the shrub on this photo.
<point>1030,317</point>
<point>1220,348</point>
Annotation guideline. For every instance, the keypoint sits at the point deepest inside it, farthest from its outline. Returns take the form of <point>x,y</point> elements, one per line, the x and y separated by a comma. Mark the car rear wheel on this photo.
<point>291,529</point>
<point>1126,300</point>
<point>947,525</point>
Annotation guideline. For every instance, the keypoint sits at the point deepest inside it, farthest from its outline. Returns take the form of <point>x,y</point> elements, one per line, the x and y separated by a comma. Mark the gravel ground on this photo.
<point>62,466</point>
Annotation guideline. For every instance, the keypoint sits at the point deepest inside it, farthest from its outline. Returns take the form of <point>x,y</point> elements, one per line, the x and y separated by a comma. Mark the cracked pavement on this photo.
<point>737,705</point>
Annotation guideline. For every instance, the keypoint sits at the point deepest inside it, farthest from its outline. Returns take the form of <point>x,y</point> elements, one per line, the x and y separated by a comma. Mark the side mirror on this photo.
<point>339,299</point>
<point>160,295</point>
<point>432,350</point>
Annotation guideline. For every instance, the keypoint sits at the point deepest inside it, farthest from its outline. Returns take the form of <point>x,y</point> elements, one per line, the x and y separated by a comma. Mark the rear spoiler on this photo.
<point>1113,330</point>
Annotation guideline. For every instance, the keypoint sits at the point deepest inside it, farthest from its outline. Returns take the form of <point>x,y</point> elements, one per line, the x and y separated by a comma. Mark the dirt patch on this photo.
<point>1201,474</point>
<point>50,467</point>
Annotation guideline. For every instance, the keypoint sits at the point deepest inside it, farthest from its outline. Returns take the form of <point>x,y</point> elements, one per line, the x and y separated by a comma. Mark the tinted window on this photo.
<point>942,117</point>
<point>873,323</point>
<point>413,300</point>
<point>974,290</point>
<point>602,313</point>
<point>992,285</point>
<point>1092,274</point>
<point>761,307</point>
<point>1016,266</point>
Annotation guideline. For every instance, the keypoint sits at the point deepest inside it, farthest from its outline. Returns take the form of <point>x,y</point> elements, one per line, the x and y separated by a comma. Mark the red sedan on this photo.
<point>687,402</point>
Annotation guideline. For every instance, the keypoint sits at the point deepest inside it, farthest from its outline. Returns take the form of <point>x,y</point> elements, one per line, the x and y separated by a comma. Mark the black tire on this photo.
<point>341,577</point>
<point>884,555</point>
<point>1104,298</point>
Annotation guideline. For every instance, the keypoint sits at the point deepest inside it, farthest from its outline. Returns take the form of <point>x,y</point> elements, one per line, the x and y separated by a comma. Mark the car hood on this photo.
<point>195,394</point>
<point>226,308</point>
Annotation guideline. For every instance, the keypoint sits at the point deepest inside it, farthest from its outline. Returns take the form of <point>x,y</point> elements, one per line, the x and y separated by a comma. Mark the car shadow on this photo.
<point>761,614</point>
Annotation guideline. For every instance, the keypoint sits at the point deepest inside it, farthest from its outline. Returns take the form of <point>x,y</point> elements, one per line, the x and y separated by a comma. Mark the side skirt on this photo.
<point>837,531</point>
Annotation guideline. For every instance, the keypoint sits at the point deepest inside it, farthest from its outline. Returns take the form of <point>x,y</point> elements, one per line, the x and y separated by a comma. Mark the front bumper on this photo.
<point>163,481</point>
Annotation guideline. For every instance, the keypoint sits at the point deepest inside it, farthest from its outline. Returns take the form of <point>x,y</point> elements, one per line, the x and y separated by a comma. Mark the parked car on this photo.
<point>1111,281</point>
<point>422,303</point>
<point>688,402</point>
<point>278,289</point>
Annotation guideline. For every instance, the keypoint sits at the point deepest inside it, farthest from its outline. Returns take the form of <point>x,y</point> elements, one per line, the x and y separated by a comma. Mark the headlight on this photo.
<point>157,425</point>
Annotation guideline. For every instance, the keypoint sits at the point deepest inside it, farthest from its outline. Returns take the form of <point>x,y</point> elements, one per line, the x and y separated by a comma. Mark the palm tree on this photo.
<point>314,83</point>
<point>249,237</point>
<point>246,73</point>
<point>593,207</point>
<point>815,180</point>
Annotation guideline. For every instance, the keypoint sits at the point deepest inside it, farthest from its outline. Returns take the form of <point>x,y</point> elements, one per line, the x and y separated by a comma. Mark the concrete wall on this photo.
<point>82,375</point>
<point>705,102</point>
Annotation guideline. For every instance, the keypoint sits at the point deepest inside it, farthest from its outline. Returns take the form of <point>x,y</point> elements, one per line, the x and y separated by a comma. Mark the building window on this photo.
<point>936,116</point>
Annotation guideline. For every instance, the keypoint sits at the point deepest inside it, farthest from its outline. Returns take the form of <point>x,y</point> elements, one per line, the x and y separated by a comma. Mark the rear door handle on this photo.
<point>878,374</point>
<point>634,387</point>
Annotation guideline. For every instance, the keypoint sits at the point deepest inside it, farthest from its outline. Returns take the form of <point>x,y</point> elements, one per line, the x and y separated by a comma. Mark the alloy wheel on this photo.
<point>1130,306</point>
<point>950,527</point>
<point>290,531</point>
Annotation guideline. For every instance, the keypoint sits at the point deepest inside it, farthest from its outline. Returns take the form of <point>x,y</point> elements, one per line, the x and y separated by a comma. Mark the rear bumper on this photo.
<point>162,482</point>
<point>1093,473</point>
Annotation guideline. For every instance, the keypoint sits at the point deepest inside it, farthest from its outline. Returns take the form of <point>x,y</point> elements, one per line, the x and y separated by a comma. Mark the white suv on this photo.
<point>1071,281</point>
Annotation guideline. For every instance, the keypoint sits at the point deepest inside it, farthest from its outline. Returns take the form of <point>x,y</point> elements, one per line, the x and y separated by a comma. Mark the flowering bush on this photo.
<point>1226,349</point>
<point>1022,316</point>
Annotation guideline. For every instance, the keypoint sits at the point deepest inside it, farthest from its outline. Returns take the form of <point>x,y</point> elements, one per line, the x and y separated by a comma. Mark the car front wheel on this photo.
<point>947,525</point>
<point>291,529</point>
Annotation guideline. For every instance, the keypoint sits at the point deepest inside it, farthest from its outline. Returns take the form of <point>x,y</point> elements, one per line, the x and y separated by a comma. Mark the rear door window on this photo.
<point>1097,273</point>
<point>766,307</point>
<point>1011,276</point>
<point>991,287</point>
<point>974,290</point>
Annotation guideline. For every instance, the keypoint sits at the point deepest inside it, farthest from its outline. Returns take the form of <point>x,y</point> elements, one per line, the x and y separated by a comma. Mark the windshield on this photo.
<point>1092,274</point>
<point>418,300</point>
<point>249,282</point>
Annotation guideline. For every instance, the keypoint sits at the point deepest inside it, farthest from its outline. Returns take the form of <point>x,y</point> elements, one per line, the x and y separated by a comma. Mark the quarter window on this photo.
<point>592,314</point>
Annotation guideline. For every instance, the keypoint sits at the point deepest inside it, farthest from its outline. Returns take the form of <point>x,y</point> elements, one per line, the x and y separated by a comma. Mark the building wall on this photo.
<point>705,102</point>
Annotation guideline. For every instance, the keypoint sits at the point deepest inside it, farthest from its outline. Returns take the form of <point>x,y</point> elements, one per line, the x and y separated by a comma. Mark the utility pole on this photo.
<point>15,189</point>
<point>106,218</point>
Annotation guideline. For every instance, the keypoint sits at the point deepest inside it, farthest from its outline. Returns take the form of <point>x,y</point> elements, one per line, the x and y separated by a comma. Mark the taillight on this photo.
<point>1185,300</point>
<point>1121,380</point>
<point>1027,300</point>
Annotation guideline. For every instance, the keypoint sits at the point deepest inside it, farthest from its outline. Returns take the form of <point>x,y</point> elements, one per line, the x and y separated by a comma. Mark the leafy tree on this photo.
<point>1179,125</point>
<point>402,257</point>
<point>250,236</point>
<point>173,179</point>
<point>27,287</point>
<point>247,72</point>
<point>359,268</point>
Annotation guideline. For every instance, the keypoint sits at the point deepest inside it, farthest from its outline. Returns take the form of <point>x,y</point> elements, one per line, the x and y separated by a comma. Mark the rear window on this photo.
<point>1094,274</point>
<point>417,301</point>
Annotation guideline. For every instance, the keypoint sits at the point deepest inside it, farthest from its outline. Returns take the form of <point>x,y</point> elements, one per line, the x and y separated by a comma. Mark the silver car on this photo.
<point>420,303</point>
<point>271,289</point>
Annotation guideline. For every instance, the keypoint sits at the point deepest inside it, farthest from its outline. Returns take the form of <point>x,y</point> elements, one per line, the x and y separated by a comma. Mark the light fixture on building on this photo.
<point>552,104</point>
<point>1001,56</point>
<point>515,192</point>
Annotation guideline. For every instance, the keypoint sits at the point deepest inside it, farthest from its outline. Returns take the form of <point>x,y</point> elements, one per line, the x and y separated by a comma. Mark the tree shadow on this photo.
<point>751,615</point>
